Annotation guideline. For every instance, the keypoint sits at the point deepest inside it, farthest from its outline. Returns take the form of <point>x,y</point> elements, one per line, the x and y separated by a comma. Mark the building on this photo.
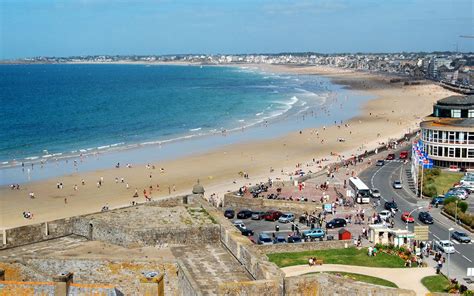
<point>448,135</point>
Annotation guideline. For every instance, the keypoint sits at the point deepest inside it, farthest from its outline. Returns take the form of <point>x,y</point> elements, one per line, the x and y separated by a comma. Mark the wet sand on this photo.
<point>395,110</point>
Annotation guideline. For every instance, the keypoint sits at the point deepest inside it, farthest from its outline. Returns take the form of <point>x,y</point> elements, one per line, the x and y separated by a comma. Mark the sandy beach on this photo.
<point>395,110</point>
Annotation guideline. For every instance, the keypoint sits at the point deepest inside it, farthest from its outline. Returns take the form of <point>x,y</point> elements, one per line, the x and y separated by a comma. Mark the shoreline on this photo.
<point>255,157</point>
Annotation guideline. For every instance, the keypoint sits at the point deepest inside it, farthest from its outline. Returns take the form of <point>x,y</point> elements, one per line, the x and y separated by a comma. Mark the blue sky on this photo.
<point>81,27</point>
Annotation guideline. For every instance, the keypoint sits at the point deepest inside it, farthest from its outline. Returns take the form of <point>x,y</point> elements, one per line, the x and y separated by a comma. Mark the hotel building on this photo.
<point>448,135</point>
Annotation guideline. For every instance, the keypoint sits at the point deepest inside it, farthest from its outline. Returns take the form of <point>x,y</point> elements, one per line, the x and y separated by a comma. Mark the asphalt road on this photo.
<point>383,177</point>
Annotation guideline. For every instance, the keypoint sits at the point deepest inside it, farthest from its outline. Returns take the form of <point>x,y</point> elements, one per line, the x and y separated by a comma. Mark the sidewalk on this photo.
<point>404,278</point>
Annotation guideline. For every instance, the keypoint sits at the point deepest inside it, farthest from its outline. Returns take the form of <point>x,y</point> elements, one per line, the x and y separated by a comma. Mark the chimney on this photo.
<point>62,282</point>
<point>152,284</point>
<point>2,275</point>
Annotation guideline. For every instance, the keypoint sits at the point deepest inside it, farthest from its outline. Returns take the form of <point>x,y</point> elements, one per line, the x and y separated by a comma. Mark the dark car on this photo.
<point>244,214</point>
<point>437,200</point>
<point>245,231</point>
<point>461,237</point>
<point>272,215</point>
<point>425,217</point>
<point>229,214</point>
<point>336,222</point>
<point>380,162</point>
<point>391,156</point>
<point>279,240</point>
<point>391,206</point>
<point>294,238</point>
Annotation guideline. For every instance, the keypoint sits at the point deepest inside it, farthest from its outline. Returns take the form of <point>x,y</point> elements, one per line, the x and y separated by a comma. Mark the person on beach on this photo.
<point>32,195</point>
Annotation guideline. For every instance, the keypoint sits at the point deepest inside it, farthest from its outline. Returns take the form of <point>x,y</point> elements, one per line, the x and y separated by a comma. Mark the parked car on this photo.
<point>286,218</point>
<point>403,154</point>
<point>461,237</point>
<point>425,217</point>
<point>458,192</point>
<point>380,162</point>
<point>314,233</point>
<point>245,231</point>
<point>391,206</point>
<point>336,222</point>
<point>437,200</point>
<point>397,184</point>
<point>264,239</point>
<point>239,223</point>
<point>280,239</point>
<point>391,156</point>
<point>294,238</point>
<point>229,214</point>
<point>407,218</point>
<point>444,246</point>
<point>375,193</point>
<point>258,215</point>
<point>385,215</point>
<point>244,214</point>
<point>272,215</point>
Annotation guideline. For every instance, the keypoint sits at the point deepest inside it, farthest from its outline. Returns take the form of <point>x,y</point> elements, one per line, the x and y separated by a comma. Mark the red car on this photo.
<point>406,217</point>
<point>391,156</point>
<point>272,215</point>
<point>404,155</point>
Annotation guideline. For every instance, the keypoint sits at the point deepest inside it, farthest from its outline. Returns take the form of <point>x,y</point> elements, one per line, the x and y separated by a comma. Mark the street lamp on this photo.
<point>456,213</point>
<point>449,254</point>
<point>409,214</point>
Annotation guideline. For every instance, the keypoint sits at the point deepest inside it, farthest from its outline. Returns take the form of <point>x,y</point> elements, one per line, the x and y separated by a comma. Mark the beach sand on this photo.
<point>395,110</point>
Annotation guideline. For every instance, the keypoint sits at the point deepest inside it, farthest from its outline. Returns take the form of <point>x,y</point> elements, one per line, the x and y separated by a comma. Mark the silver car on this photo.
<point>397,184</point>
<point>375,193</point>
<point>286,218</point>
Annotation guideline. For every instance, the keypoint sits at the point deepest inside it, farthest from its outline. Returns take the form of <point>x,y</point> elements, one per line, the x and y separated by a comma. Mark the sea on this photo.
<point>102,114</point>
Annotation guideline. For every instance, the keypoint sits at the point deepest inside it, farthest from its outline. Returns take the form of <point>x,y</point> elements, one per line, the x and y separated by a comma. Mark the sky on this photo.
<point>152,27</point>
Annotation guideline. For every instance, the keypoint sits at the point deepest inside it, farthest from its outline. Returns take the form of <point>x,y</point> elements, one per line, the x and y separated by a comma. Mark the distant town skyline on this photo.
<point>159,27</point>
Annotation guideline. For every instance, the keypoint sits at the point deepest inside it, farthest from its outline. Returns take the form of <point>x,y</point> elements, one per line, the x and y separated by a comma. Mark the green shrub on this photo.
<point>465,218</point>
<point>463,206</point>
<point>449,200</point>
<point>430,190</point>
<point>436,171</point>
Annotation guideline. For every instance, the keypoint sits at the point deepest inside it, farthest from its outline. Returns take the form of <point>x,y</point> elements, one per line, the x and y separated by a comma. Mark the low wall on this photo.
<point>28,234</point>
<point>301,247</point>
<point>250,288</point>
<point>326,284</point>
<point>187,285</point>
<point>237,202</point>
<point>130,237</point>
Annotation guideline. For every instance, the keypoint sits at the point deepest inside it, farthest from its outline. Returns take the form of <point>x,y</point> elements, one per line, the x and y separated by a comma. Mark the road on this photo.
<point>382,178</point>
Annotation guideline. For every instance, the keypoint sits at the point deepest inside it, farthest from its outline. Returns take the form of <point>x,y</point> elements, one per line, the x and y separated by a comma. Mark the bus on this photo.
<point>359,191</point>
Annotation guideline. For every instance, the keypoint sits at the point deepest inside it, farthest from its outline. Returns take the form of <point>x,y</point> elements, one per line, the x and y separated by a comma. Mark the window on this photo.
<point>435,150</point>
<point>470,153</point>
<point>455,113</point>
<point>452,137</point>
<point>464,153</point>
<point>457,152</point>
<point>470,113</point>
<point>461,137</point>
<point>435,136</point>
<point>451,152</point>
<point>445,153</point>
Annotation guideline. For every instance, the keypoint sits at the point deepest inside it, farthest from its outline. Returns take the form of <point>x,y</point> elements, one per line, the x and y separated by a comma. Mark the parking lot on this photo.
<point>286,229</point>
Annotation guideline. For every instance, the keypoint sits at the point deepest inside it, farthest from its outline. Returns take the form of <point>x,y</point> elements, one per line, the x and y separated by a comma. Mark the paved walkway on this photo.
<point>404,278</point>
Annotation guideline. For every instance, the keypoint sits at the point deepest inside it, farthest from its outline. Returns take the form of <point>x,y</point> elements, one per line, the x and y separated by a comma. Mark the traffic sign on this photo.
<point>421,233</point>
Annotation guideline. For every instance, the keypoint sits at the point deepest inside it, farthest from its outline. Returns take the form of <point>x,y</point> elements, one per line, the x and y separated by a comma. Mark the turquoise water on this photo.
<point>124,112</point>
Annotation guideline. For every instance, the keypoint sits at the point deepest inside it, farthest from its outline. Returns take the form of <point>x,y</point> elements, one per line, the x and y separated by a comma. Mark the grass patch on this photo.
<point>435,283</point>
<point>438,182</point>
<point>362,278</point>
<point>349,256</point>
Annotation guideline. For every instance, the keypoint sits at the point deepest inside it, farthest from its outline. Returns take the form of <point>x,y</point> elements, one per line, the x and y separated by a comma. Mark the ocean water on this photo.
<point>56,112</point>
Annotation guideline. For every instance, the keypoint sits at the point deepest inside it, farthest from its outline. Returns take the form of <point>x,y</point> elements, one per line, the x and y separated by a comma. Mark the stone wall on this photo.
<point>250,288</point>
<point>301,247</point>
<point>326,284</point>
<point>37,232</point>
<point>187,285</point>
<point>237,202</point>
<point>125,275</point>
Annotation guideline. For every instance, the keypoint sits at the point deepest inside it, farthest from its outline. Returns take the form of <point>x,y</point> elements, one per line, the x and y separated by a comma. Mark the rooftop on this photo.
<point>457,100</point>
<point>459,124</point>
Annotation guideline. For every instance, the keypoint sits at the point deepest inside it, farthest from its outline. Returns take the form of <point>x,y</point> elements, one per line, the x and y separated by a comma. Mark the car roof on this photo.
<point>264,235</point>
<point>445,241</point>
<point>461,233</point>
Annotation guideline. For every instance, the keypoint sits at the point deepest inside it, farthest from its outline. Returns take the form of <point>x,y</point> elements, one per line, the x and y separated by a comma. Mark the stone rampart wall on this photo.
<point>187,285</point>
<point>250,288</point>
<point>326,284</point>
<point>301,247</point>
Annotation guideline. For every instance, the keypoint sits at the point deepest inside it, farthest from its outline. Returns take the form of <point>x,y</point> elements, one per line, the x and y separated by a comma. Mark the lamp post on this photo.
<point>409,214</point>
<point>449,254</point>
<point>456,213</point>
